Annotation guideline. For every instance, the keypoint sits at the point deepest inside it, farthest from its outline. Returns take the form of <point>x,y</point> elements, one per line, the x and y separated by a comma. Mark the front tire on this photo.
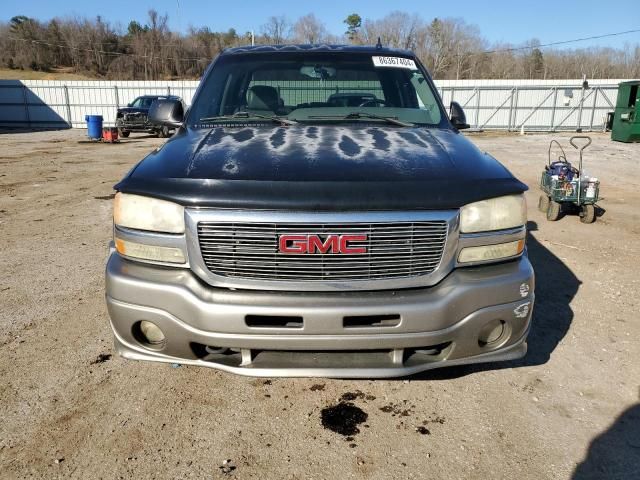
<point>553,212</point>
<point>163,132</point>
<point>588,214</point>
<point>543,203</point>
<point>123,133</point>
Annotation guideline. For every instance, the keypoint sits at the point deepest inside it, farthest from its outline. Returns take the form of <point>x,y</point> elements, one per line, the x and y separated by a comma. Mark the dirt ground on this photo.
<point>68,408</point>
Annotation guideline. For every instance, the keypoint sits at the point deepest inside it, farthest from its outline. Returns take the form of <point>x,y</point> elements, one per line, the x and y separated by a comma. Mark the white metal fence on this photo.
<point>60,104</point>
<point>542,105</point>
<point>535,105</point>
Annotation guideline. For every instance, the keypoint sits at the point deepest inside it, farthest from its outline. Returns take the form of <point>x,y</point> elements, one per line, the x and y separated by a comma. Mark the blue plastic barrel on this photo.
<point>94,126</point>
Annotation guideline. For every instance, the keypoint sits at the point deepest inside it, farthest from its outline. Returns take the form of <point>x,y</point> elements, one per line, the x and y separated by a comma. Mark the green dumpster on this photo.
<point>626,118</point>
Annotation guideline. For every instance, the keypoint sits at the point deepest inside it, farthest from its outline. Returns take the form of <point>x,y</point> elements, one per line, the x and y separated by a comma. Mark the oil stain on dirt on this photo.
<point>343,418</point>
<point>399,409</point>
<point>103,357</point>
<point>350,396</point>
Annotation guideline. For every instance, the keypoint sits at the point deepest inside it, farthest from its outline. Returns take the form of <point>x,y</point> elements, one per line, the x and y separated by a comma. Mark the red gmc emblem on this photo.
<point>310,244</point>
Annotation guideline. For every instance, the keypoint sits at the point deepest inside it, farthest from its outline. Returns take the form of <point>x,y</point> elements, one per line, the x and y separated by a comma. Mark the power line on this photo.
<point>563,42</point>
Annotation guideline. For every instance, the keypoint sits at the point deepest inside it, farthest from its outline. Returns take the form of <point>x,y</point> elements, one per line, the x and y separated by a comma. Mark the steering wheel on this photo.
<point>374,102</point>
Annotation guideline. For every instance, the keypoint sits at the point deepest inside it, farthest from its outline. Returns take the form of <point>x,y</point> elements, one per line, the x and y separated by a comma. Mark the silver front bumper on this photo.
<point>437,326</point>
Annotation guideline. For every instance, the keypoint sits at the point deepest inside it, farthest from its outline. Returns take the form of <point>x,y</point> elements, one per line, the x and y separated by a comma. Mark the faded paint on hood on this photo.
<point>319,153</point>
<point>210,166</point>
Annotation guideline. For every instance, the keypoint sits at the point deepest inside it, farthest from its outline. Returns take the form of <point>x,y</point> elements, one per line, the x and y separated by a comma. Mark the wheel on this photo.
<point>123,133</point>
<point>588,214</point>
<point>553,212</point>
<point>543,203</point>
<point>163,132</point>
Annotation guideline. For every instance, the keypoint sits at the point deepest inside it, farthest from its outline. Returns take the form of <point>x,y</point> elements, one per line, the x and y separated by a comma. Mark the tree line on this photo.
<point>449,47</point>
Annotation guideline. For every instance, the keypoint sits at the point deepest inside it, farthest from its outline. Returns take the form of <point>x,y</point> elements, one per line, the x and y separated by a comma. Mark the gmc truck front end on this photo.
<point>317,213</point>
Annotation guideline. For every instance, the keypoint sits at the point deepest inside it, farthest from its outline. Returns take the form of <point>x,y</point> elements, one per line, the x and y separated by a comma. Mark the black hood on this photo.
<point>322,168</point>
<point>133,110</point>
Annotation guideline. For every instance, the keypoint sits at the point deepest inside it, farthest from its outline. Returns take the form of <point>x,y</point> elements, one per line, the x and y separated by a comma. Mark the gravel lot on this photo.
<point>570,409</point>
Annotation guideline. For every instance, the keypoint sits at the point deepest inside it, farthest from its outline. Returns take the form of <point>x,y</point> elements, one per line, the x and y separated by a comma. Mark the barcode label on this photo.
<point>395,62</point>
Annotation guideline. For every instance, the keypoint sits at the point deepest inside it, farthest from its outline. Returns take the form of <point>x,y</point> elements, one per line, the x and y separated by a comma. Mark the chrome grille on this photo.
<point>244,250</point>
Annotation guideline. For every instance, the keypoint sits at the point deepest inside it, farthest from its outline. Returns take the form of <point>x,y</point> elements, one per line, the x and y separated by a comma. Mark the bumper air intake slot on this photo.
<point>364,321</point>
<point>273,321</point>
<point>431,350</point>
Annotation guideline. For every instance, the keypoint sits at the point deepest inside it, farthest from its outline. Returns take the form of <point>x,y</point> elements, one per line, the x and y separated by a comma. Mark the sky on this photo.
<point>499,21</point>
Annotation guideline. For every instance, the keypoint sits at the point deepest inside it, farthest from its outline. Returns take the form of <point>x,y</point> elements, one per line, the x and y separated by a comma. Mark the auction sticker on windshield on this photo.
<point>397,62</point>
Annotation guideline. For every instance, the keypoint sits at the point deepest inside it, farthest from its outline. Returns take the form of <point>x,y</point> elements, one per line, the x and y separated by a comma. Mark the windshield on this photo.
<point>142,102</point>
<point>310,87</point>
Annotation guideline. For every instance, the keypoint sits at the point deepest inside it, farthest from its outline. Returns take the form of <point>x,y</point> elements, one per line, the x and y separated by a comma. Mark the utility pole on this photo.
<point>178,15</point>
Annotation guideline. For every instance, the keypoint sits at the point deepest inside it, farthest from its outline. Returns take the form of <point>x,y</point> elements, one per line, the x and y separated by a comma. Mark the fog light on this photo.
<point>215,350</point>
<point>491,333</point>
<point>151,332</point>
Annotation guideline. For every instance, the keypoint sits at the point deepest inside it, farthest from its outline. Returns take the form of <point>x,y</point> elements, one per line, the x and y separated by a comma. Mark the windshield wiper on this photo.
<point>357,115</point>
<point>273,118</point>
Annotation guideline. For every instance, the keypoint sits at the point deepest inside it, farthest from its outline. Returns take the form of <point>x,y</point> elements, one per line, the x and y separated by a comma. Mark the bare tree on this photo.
<point>308,29</point>
<point>449,47</point>
<point>439,47</point>
<point>466,47</point>
<point>500,63</point>
<point>397,30</point>
<point>29,50</point>
<point>633,62</point>
<point>277,30</point>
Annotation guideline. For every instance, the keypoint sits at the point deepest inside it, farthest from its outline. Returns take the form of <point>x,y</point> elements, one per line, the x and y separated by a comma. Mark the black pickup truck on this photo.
<point>135,117</point>
<point>318,213</point>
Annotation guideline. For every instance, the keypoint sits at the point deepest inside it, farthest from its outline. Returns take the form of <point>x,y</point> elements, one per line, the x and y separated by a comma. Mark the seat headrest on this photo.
<point>263,97</point>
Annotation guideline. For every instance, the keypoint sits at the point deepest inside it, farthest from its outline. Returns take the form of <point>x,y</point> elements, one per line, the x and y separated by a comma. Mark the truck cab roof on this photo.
<point>319,48</point>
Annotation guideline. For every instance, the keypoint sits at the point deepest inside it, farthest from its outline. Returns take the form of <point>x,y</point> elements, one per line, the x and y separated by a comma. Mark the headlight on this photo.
<point>146,213</point>
<point>494,214</point>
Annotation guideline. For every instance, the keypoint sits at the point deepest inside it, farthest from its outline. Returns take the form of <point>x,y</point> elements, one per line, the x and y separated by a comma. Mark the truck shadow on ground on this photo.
<point>556,285</point>
<point>9,130</point>
<point>614,454</point>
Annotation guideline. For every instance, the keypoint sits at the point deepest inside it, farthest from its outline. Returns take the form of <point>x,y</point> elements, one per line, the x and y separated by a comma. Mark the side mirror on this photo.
<point>167,112</point>
<point>457,116</point>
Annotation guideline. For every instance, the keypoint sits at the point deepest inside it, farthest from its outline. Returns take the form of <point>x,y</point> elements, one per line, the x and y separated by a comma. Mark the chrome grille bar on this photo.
<point>249,250</point>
